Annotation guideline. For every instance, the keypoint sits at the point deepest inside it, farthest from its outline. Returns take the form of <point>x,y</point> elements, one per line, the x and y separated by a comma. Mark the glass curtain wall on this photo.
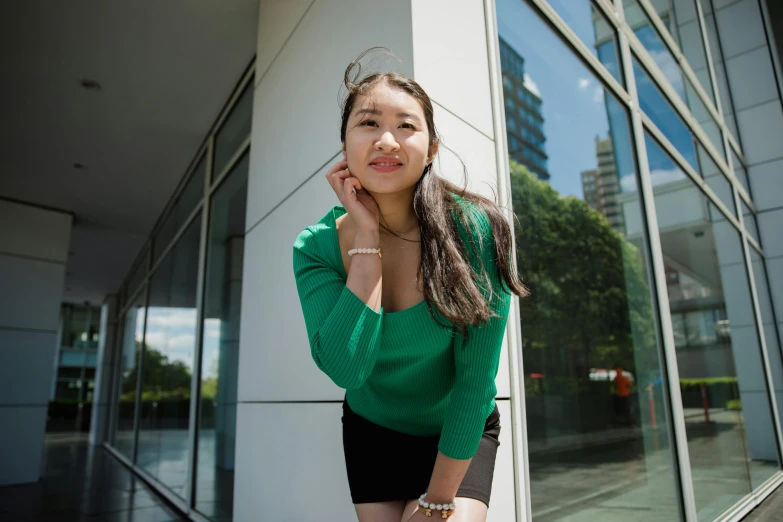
<point>181,328</point>
<point>602,444</point>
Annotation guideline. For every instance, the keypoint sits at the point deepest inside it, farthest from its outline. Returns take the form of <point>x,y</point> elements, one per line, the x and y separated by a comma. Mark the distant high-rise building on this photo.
<point>602,185</point>
<point>524,122</point>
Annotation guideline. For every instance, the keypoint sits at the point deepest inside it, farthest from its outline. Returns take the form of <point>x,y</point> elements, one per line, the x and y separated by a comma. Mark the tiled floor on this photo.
<point>82,484</point>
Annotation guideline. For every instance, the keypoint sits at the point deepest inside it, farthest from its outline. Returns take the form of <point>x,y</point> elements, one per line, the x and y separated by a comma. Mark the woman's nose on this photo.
<point>387,142</point>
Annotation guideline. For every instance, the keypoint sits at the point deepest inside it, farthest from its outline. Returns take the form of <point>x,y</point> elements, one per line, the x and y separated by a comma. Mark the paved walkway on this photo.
<point>771,510</point>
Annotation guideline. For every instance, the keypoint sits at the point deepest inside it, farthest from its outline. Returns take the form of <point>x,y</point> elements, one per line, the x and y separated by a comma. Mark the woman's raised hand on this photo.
<point>359,204</point>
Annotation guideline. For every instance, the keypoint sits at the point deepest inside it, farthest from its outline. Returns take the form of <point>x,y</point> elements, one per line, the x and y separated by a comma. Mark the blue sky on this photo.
<point>573,106</point>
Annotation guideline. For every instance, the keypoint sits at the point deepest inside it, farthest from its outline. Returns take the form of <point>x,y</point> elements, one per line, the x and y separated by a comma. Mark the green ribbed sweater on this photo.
<point>401,370</point>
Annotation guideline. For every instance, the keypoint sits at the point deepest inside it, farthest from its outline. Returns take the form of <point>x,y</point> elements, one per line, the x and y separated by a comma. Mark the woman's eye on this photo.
<point>408,126</point>
<point>368,122</point>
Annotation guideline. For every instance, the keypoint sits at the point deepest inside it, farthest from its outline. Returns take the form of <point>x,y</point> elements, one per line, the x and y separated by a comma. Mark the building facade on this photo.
<point>636,147</point>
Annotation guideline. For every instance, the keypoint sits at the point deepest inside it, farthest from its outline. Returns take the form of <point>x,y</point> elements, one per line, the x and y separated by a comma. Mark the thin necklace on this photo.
<point>392,232</point>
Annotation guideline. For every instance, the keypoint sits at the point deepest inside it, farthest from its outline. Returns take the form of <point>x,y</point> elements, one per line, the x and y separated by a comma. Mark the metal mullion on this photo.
<point>681,456</point>
<point>674,48</point>
<point>671,95</point>
<point>190,476</point>
<point>729,143</point>
<point>750,501</point>
<point>680,161</point>
<point>139,374</point>
<point>755,244</point>
<point>760,329</point>
<point>607,8</point>
<point>519,440</point>
<point>116,386</point>
<point>225,171</point>
<point>176,238</point>
<point>232,101</point>
<point>563,30</point>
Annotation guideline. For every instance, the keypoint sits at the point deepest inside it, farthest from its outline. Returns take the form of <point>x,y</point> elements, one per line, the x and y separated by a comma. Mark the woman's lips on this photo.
<point>385,167</point>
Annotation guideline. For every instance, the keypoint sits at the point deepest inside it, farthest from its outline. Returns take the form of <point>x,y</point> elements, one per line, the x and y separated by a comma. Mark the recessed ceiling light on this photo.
<point>91,85</point>
<point>79,166</point>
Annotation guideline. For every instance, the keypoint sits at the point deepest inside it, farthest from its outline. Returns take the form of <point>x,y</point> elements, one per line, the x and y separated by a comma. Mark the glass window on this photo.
<point>662,56</point>
<point>595,31</point>
<point>716,180</point>
<point>169,346</point>
<point>595,392</point>
<point>717,61</point>
<point>663,115</point>
<point>138,271</point>
<point>220,347</point>
<point>727,416</point>
<point>133,333</point>
<point>750,221</point>
<point>75,326</point>
<point>187,200</point>
<point>739,171</point>
<point>234,130</point>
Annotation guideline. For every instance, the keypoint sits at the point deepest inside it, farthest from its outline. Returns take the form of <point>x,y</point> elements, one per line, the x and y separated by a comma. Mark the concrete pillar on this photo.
<point>33,255</point>
<point>104,372</point>
<point>284,401</point>
<point>746,52</point>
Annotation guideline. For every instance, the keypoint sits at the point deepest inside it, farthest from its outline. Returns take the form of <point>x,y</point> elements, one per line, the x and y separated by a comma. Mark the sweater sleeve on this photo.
<point>344,333</point>
<point>476,361</point>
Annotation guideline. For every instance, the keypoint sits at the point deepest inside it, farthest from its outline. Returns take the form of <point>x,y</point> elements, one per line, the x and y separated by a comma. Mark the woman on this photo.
<point>405,291</point>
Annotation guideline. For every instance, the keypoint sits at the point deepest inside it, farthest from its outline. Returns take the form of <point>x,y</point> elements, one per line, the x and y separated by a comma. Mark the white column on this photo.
<point>33,254</point>
<point>288,428</point>
<point>104,371</point>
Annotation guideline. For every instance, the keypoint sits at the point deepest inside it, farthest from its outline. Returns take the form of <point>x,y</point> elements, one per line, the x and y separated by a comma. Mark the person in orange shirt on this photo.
<point>622,392</point>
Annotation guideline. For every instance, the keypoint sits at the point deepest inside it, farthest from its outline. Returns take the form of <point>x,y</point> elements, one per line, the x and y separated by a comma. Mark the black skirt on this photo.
<point>385,465</point>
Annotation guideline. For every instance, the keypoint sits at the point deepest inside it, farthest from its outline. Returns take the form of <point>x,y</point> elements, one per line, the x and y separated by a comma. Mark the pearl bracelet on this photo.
<point>446,510</point>
<point>365,251</point>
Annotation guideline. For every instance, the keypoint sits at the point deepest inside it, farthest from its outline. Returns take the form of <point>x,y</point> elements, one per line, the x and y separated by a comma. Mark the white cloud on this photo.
<point>583,83</point>
<point>531,85</point>
<point>670,70</point>
<point>660,176</point>
<point>171,317</point>
<point>628,183</point>
<point>598,95</point>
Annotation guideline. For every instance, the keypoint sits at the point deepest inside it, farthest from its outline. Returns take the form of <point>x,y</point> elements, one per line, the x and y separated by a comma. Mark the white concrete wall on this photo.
<point>289,432</point>
<point>747,64</point>
<point>33,254</point>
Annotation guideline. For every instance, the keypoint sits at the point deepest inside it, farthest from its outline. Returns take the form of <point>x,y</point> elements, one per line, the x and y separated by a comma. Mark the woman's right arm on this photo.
<point>343,318</point>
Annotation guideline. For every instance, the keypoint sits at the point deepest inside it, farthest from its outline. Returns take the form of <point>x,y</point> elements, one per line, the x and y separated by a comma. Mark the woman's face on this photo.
<point>387,140</point>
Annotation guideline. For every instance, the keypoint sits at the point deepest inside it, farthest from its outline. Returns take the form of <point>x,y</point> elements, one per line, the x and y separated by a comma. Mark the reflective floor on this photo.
<point>79,483</point>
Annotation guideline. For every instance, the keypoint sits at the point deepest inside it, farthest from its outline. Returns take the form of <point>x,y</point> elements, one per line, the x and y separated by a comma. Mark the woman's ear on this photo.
<point>344,150</point>
<point>433,151</point>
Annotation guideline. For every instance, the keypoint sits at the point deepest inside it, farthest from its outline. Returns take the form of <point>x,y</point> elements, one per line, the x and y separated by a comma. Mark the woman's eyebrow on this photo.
<point>377,112</point>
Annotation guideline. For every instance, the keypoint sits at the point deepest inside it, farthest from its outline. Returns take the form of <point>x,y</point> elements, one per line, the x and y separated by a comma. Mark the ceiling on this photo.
<point>165,71</point>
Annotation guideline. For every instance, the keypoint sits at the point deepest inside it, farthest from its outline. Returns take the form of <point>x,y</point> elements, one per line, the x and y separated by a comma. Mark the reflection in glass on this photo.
<point>133,331</point>
<point>727,415</point>
<point>715,179</point>
<point>750,221</point>
<point>234,130</point>
<point>599,36</point>
<point>663,115</point>
<point>642,26</point>
<point>185,204</point>
<point>220,347</point>
<point>739,171</point>
<point>169,347</point>
<point>595,395</point>
<point>717,61</point>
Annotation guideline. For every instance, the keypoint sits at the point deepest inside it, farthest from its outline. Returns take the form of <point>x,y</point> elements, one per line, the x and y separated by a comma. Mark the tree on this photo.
<point>160,376</point>
<point>590,301</point>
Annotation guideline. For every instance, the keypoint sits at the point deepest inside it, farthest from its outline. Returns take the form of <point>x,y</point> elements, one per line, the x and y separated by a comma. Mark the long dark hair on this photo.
<point>449,282</point>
